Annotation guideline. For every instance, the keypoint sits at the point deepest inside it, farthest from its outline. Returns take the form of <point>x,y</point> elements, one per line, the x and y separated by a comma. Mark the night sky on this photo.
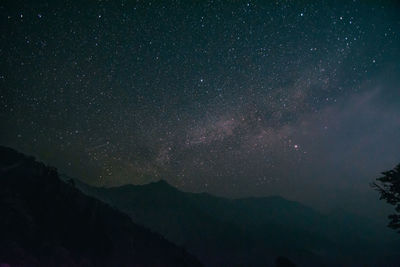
<point>235,98</point>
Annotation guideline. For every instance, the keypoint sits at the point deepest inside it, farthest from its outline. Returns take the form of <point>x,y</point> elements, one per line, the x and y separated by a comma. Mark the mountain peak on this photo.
<point>161,183</point>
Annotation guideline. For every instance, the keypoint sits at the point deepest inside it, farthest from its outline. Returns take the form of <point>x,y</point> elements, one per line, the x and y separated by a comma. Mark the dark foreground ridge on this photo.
<point>48,222</point>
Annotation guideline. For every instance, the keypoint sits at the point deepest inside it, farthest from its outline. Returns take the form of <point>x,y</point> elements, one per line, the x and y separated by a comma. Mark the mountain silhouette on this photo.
<point>48,222</point>
<point>251,231</point>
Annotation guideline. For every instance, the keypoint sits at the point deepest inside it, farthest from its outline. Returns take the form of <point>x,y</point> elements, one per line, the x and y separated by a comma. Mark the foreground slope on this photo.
<point>47,222</point>
<point>251,231</point>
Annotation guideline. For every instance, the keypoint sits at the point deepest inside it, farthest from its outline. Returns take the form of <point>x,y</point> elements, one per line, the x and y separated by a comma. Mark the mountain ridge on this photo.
<point>270,226</point>
<point>219,231</point>
<point>47,222</point>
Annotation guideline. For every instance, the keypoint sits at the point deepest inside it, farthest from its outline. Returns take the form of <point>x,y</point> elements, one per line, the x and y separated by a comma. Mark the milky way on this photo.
<point>245,98</point>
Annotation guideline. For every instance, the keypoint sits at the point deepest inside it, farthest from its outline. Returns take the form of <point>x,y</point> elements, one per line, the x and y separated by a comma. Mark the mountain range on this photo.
<point>252,231</point>
<point>48,222</point>
<point>49,219</point>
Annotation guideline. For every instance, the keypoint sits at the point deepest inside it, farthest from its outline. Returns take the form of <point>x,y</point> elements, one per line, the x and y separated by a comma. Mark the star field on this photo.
<point>234,98</point>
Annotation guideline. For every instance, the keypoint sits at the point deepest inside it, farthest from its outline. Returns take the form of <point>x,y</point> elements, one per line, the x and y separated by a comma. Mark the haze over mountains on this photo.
<point>253,231</point>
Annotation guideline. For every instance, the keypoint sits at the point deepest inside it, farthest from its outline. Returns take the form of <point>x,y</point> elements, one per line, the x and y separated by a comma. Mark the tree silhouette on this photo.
<point>389,188</point>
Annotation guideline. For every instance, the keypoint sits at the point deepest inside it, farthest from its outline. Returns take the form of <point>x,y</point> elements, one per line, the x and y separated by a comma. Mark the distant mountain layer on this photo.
<point>252,231</point>
<point>47,222</point>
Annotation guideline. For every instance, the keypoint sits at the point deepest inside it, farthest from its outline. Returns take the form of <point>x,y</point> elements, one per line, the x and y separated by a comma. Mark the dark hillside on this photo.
<point>47,222</point>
